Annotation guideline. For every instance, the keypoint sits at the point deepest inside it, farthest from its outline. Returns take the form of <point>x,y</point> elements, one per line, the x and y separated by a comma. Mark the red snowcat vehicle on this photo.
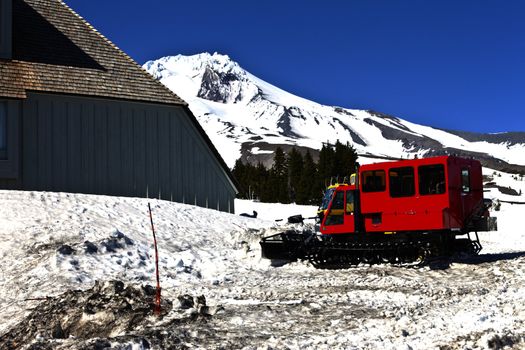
<point>401,212</point>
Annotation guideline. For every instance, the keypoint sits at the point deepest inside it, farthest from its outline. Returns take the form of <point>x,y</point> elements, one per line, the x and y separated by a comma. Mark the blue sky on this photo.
<point>445,63</point>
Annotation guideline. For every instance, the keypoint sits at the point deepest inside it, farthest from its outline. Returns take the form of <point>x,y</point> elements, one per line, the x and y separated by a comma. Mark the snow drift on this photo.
<point>56,246</point>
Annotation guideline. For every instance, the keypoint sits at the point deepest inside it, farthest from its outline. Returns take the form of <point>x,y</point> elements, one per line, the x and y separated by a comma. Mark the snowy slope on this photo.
<point>34,226</point>
<point>56,243</point>
<point>469,305</point>
<point>246,116</point>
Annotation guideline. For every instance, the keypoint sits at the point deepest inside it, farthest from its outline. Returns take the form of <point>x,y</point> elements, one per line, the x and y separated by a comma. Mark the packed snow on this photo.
<point>51,243</point>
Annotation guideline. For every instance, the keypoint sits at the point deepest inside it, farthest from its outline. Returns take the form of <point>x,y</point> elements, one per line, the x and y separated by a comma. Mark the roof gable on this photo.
<point>55,50</point>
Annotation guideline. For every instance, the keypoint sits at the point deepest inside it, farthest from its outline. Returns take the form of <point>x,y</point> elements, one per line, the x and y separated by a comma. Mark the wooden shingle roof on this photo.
<point>55,50</point>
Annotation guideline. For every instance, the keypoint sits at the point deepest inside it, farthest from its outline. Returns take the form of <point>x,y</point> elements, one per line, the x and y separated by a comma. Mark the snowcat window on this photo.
<point>349,208</point>
<point>335,215</point>
<point>327,198</point>
<point>401,182</point>
<point>373,181</point>
<point>3,130</point>
<point>431,179</point>
<point>465,180</point>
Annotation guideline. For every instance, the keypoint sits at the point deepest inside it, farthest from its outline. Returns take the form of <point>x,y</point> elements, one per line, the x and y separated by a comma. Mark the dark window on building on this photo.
<point>373,181</point>
<point>465,180</point>
<point>401,182</point>
<point>335,216</point>
<point>3,130</point>
<point>349,208</point>
<point>431,179</point>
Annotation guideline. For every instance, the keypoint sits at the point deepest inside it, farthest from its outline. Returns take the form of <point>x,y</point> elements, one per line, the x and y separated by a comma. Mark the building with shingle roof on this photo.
<point>79,115</point>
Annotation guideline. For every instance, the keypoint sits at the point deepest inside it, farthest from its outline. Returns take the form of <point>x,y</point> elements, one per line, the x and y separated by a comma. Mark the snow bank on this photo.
<point>51,243</point>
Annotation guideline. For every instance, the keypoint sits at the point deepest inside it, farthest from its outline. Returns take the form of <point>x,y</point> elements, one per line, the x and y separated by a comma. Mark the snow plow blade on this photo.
<point>288,245</point>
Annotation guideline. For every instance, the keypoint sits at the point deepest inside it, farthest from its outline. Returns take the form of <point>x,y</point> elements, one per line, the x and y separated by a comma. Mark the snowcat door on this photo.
<point>340,216</point>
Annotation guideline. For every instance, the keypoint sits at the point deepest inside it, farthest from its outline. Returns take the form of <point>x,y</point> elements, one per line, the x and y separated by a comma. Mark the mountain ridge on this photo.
<point>247,118</point>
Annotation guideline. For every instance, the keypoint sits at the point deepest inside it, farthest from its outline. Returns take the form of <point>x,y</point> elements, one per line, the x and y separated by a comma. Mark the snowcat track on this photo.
<point>343,255</point>
<point>326,253</point>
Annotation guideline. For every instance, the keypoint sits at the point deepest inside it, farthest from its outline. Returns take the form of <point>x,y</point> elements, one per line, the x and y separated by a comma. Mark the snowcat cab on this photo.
<point>328,194</point>
<point>340,214</point>
<point>400,212</point>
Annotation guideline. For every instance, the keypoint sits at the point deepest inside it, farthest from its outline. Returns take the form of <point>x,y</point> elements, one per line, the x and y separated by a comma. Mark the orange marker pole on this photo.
<point>157,295</point>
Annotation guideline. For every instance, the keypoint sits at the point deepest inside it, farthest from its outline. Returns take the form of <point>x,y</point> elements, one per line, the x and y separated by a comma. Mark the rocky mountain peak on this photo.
<point>247,117</point>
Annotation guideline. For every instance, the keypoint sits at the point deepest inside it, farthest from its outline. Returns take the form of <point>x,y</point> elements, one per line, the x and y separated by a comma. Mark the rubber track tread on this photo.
<point>327,254</point>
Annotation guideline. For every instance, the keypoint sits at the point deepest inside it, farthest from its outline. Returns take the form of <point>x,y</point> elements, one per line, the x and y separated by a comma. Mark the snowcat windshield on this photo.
<point>327,198</point>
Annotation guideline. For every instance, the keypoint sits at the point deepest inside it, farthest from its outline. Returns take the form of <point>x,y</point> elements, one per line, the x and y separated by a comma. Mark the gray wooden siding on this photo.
<point>10,160</point>
<point>98,146</point>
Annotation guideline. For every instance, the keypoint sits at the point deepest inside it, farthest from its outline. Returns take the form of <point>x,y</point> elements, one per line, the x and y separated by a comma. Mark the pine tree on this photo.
<point>307,192</point>
<point>294,177</point>
<point>261,178</point>
<point>279,162</point>
<point>345,159</point>
<point>250,180</point>
<point>326,165</point>
<point>338,164</point>
<point>295,169</point>
<point>239,172</point>
<point>279,177</point>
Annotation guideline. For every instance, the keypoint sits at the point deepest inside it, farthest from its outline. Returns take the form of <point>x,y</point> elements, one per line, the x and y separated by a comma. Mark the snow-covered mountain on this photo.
<point>247,117</point>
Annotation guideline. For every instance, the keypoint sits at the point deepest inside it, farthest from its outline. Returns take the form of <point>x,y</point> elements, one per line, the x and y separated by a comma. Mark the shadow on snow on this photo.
<point>489,258</point>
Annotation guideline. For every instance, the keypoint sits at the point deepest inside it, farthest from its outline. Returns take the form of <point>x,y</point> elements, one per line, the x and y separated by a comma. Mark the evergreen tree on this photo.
<point>294,177</point>
<point>251,181</point>
<point>261,176</point>
<point>279,177</point>
<point>325,165</point>
<point>279,162</point>
<point>345,159</point>
<point>295,169</point>
<point>307,192</point>
<point>239,172</point>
